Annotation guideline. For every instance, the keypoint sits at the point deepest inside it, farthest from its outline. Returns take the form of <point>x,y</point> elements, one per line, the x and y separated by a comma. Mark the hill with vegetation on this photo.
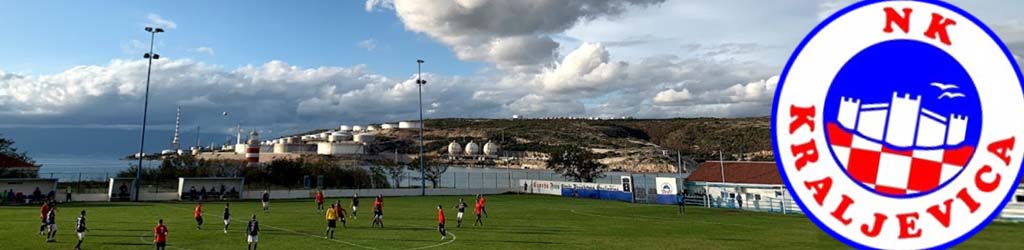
<point>624,144</point>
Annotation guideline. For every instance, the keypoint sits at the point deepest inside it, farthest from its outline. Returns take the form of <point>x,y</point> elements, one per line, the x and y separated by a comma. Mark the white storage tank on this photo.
<point>454,148</point>
<point>357,128</point>
<point>345,128</point>
<point>472,148</point>
<point>371,128</point>
<point>491,148</point>
<point>339,148</point>
<point>409,125</point>
<point>387,126</point>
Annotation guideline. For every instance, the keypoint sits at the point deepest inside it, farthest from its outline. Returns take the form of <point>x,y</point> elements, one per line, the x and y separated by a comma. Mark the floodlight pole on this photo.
<point>419,87</point>
<point>145,110</point>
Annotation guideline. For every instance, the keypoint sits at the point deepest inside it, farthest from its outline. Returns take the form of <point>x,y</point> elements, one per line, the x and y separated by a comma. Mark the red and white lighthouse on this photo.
<point>252,149</point>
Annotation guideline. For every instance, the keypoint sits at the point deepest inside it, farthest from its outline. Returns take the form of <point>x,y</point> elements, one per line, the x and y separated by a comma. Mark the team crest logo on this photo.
<point>895,125</point>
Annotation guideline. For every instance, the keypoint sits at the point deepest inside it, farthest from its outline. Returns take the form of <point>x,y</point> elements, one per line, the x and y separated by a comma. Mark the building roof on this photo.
<point>11,162</point>
<point>746,172</point>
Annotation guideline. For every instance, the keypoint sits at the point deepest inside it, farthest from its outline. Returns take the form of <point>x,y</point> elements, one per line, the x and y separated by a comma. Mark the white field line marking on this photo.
<point>291,231</point>
<point>651,218</point>
<point>435,245</point>
<point>143,239</point>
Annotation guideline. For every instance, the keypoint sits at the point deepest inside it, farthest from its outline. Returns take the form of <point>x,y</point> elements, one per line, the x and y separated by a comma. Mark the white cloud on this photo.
<point>586,69</point>
<point>157,21</point>
<point>513,35</point>
<point>670,96</point>
<point>204,50</point>
<point>368,44</point>
<point>372,5</point>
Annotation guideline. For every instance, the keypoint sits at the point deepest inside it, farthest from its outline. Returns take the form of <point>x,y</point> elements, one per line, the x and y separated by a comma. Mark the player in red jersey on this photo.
<point>378,211</point>
<point>160,235</point>
<point>198,214</point>
<point>319,197</point>
<point>440,222</point>
<point>478,209</point>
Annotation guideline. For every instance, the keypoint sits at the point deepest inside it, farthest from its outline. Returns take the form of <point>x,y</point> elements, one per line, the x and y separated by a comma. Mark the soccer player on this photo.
<point>355,205</point>
<point>253,233</point>
<point>478,209</point>
<point>378,211</point>
<point>160,235</point>
<point>462,210</point>
<point>332,220</point>
<point>43,211</point>
<point>440,222</point>
<point>80,230</point>
<point>341,213</point>
<point>198,214</point>
<point>266,201</point>
<point>681,202</point>
<point>319,197</point>
<point>483,204</point>
<point>227,216</point>
<point>51,221</point>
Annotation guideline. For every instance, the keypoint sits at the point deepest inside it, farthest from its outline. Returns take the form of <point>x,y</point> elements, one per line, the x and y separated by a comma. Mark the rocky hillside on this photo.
<point>632,144</point>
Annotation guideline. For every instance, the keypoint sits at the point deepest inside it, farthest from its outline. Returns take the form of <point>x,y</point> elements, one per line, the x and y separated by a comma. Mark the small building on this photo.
<point>741,185</point>
<point>17,168</point>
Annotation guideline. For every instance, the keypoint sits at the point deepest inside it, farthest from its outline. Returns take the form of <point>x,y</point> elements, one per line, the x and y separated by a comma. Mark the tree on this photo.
<point>7,149</point>
<point>431,171</point>
<point>576,163</point>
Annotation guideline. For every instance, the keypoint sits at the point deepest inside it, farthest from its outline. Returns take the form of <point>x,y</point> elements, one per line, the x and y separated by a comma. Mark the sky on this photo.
<point>284,67</point>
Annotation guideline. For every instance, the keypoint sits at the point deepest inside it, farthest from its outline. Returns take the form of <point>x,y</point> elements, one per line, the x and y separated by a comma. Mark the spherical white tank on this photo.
<point>491,148</point>
<point>454,148</point>
<point>345,128</point>
<point>472,148</point>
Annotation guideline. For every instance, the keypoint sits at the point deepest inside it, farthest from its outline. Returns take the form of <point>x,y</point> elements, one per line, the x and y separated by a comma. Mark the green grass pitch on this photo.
<point>515,222</point>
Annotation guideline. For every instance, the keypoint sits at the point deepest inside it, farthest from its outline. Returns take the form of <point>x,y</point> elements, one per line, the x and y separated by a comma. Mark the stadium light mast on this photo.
<point>145,109</point>
<point>419,87</point>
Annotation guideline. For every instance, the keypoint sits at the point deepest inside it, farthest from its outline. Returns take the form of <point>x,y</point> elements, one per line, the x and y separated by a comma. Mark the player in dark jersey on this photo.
<point>227,216</point>
<point>51,222</point>
<point>266,201</point>
<point>462,210</point>
<point>252,232</point>
<point>355,205</point>
<point>80,230</point>
<point>440,222</point>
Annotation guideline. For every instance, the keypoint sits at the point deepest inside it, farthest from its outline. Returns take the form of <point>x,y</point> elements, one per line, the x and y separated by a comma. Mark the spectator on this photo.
<point>52,195</point>
<point>3,197</point>
<point>123,194</point>
<point>192,193</point>
<point>202,193</point>
<point>67,194</point>
<point>36,195</point>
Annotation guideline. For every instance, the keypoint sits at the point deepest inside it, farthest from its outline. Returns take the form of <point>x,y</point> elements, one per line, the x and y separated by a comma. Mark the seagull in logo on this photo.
<point>950,95</point>
<point>947,94</point>
<point>943,86</point>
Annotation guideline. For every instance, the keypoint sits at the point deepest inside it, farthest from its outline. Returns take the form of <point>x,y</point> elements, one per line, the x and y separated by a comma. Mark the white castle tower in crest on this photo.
<point>902,122</point>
